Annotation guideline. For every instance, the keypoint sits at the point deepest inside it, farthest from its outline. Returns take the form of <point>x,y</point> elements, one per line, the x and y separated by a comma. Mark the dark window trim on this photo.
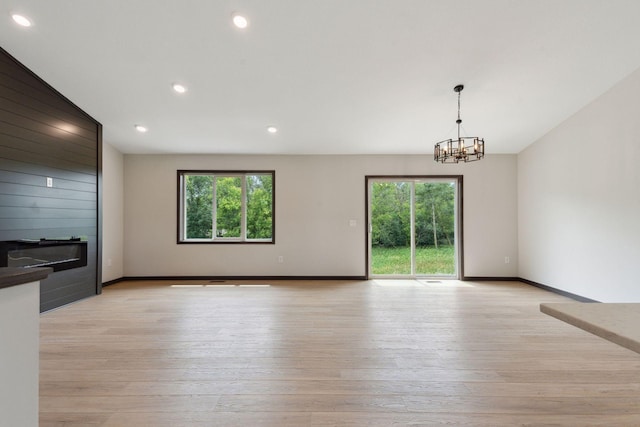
<point>181,172</point>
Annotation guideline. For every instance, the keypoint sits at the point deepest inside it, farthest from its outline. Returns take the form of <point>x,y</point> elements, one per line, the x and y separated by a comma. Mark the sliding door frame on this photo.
<point>459,214</point>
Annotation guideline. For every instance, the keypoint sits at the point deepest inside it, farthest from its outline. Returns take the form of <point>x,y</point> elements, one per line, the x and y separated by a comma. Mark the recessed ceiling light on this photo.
<point>141,129</point>
<point>240,21</point>
<point>272,129</point>
<point>179,88</point>
<point>21,20</point>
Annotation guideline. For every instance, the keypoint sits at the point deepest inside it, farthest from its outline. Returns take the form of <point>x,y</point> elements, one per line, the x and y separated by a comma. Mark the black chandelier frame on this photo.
<point>463,149</point>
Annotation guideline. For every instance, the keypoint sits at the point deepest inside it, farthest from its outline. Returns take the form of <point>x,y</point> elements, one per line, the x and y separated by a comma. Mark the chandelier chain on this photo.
<point>459,120</point>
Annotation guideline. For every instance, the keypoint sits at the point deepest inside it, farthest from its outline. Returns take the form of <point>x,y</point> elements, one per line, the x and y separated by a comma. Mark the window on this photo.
<point>226,206</point>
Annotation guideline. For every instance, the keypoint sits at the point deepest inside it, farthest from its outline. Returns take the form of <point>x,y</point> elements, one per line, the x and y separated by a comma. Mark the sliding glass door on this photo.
<point>390,237</point>
<point>413,227</point>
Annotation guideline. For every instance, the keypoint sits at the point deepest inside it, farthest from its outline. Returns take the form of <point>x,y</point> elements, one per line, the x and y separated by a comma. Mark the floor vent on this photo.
<point>433,281</point>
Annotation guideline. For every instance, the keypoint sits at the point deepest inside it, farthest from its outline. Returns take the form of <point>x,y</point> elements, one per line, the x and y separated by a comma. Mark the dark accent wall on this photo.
<point>44,135</point>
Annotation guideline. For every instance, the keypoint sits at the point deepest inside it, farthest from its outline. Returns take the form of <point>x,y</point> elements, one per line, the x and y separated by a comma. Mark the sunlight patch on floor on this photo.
<point>445,283</point>
<point>223,285</point>
<point>421,283</point>
<point>187,286</point>
<point>394,283</point>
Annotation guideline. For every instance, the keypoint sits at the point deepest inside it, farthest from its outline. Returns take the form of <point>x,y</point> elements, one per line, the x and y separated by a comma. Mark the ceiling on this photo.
<point>334,76</point>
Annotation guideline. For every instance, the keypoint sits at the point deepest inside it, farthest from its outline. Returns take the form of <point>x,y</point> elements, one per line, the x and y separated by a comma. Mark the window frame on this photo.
<point>181,206</point>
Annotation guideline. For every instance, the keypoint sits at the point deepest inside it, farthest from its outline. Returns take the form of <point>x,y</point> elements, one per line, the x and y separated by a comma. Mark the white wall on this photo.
<point>579,200</point>
<point>316,196</point>
<point>113,213</point>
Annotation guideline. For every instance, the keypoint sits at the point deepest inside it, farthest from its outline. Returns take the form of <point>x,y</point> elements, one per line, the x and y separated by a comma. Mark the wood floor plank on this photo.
<point>256,387</point>
<point>57,419</point>
<point>117,404</point>
<point>358,419</point>
<point>210,419</point>
<point>328,353</point>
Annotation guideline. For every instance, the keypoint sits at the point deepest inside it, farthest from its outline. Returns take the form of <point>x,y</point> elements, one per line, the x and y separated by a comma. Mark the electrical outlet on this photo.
<point>49,182</point>
<point>280,259</point>
<point>507,260</point>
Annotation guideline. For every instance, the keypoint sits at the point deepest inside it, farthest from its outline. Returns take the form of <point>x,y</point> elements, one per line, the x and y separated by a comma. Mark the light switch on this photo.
<point>353,223</point>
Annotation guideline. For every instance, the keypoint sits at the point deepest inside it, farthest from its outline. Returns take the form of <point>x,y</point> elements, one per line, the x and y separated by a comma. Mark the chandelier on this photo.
<point>464,149</point>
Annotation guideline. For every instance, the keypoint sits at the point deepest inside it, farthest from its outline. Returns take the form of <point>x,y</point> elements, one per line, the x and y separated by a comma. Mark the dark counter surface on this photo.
<point>12,276</point>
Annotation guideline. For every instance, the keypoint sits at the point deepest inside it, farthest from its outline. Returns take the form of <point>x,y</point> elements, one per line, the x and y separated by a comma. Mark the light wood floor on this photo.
<point>401,353</point>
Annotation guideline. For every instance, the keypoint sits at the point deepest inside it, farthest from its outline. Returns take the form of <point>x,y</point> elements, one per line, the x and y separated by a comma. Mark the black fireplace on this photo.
<point>59,254</point>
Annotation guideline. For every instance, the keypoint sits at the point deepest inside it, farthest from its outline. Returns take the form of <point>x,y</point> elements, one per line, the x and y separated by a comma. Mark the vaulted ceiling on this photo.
<point>334,76</point>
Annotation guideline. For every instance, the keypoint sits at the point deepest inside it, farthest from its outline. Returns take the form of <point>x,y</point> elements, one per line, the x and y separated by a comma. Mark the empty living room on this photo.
<point>319,213</point>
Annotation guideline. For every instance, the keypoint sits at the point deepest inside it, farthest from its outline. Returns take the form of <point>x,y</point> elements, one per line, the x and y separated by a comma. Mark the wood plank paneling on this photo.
<point>43,125</point>
<point>48,118</point>
<point>37,180</point>
<point>44,203</point>
<point>42,134</point>
<point>24,95</point>
<point>51,233</point>
<point>23,129</point>
<point>43,223</point>
<point>39,170</point>
<point>23,140</point>
<point>42,191</point>
<point>66,288</point>
<point>47,213</point>
<point>33,87</point>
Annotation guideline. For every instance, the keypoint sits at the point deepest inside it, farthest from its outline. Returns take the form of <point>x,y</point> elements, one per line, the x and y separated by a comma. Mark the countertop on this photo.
<point>12,276</point>
<point>616,322</point>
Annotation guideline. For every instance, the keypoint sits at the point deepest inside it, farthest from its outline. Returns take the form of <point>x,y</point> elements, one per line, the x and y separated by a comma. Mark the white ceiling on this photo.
<point>335,76</point>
